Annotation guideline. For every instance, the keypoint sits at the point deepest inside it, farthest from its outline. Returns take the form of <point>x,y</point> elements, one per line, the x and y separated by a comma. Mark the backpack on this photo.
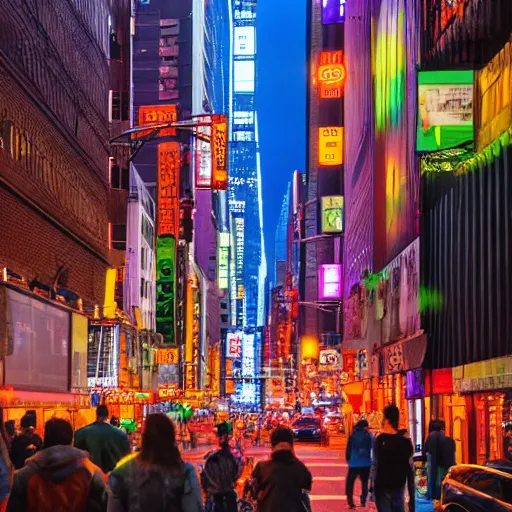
<point>45,495</point>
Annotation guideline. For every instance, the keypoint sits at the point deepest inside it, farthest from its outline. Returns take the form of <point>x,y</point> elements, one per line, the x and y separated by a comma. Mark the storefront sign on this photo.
<point>158,114</point>
<point>329,282</point>
<point>234,344</point>
<point>166,288</point>
<point>167,356</point>
<point>331,75</point>
<point>494,83</point>
<point>223,261</point>
<point>169,392</point>
<point>203,155</point>
<point>445,109</point>
<point>330,146</point>
<point>332,214</point>
<point>333,11</point>
<point>169,162</point>
<point>442,381</point>
<point>219,150</point>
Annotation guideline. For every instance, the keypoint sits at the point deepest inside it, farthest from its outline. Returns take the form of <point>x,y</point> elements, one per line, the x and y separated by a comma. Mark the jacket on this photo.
<point>221,472</point>
<point>6,475</point>
<point>135,486</point>
<point>280,482</point>
<point>106,444</point>
<point>76,483</point>
<point>359,449</point>
<point>23,446</point>
<point>441,449</point>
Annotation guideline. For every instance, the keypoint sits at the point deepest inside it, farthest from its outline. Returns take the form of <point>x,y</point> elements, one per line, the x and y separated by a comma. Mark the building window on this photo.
<point>143,258</point>
<point>120,177</point>
<point>119,237</point>
<point>115,47</point>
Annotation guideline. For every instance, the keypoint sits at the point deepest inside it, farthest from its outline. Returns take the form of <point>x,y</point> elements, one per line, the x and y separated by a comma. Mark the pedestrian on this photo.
<point>59,477</point>
<point>115,422</point>
<point>281,482</point>
<point>359,458</point>
<point>440,450</point>
<point>106,444</point>
<point>393,460</point>
<point>6,473</point>
<point>156,479</point>
<point>221,472</point>
<point>27,443</point>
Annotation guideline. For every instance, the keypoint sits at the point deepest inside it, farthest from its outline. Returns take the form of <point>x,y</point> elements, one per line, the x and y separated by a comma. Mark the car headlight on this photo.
<point>316,431</point>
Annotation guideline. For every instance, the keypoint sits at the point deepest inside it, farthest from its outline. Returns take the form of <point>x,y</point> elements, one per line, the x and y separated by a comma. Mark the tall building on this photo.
<point>280,247</point>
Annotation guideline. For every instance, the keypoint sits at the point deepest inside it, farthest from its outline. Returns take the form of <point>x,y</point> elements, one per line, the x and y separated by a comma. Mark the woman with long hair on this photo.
<point>156,479</point>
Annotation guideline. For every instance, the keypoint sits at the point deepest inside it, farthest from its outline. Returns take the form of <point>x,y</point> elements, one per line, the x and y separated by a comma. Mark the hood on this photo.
<point>284,456</point>
<point>58,462</point>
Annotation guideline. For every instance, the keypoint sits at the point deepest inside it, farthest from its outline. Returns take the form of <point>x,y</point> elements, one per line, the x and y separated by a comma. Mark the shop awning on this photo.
<point>406,354</point>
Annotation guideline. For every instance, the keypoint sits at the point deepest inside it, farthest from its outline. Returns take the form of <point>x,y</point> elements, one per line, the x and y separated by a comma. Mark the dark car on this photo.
<point>469,488</point>
<point>500,465</point>
<point>307,429</point>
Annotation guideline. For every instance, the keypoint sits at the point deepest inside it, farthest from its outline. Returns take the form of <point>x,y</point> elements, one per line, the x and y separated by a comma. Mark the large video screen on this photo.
<point>40,358</point>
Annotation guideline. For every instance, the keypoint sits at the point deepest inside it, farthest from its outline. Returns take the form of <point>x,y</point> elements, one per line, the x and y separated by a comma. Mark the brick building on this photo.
<point>55,71</point>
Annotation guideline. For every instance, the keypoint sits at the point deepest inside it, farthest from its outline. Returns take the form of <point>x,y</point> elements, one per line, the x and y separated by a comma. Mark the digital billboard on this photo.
<point>244,75</point>
<point>244,41</point>
<point>223,261</point>
<point>329,284</point>
<point>445,109</point>
<point>330,145</point>
<point>166,287</point>
<point>234,344</point>
<point>333,11</point>
<point>203,156</point>
<point>332,214</point>
<point>219,148</point>
<point>169,162</point>
<point>158,114</point>
<point>331,74</point>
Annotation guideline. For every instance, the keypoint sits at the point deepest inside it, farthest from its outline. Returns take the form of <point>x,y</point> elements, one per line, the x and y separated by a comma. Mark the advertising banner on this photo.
<point>169,162</point>
<point>167,356</point>
<point>333,11</point>
<point>234,344</point>
<point>445,109</point>
<point>330,282</point>
<point>219,149</point>
<point>330,146</point>
<point>331,74</point>
<point>223,261</point>
<point>203,156</point>
<point>166,287</point>
<point>330,360</point>
<point>158,114</point>
<point>332,214</point>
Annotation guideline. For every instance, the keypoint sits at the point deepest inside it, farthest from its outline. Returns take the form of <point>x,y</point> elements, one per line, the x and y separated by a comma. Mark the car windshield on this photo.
<point>306,422</point>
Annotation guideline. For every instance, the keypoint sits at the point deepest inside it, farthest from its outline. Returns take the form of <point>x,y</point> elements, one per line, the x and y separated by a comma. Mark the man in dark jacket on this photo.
<point>359,458</point>
<point>59,477</point>
<point>280,482</point>
<point>26,443</point>
<point>105,444</point>
<point>393,459</point>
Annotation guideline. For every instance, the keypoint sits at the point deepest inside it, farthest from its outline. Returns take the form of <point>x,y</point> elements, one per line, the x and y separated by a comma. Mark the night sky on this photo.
<point>281,104</point>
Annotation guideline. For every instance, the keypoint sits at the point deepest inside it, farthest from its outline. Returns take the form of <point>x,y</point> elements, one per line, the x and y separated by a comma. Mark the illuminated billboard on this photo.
<point>333,11</point>
<point>167,356</point>
<point>169,161</point>
<point>332,214</point>
<point>445,109</point>
<point>223,261</point>
<point>244,41</point>
<point>329,282</point>
<point>219,149</point>
<point>331,74</point>
<point>244,75</point>
<point>166,287</point>
<point>203,156</point>
<point>330,145</point>
<point>158,114</point>
<point>234,344</point>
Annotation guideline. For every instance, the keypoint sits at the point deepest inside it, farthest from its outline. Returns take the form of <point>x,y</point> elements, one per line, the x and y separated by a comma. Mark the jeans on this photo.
<point>390,501</point>
<point>364,475</point>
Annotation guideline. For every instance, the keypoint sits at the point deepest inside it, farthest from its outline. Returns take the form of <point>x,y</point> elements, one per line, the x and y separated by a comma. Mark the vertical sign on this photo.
<point>330,145</point>
<point>219,148</point>
<point>331,74</point>
<point>223,261</point>
<point>166,288</point>
<point>330,282</point>
<point>333,11</point>
<point>169,161</point>
<point>332,214</point>
<point>158,114</point>
<point>203,155</point>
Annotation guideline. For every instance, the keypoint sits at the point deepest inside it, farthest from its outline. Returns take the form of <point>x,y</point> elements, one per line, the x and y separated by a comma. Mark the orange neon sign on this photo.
<point>169,162</point>
<point>219,149</point>
<point>157,114</point>
<point>331,74</point>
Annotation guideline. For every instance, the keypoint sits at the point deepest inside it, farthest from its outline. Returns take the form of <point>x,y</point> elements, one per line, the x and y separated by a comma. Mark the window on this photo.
<point>120,177</point>
<point>115,47</point>
<point>125,106</point>
<point>143,258</point>
<point>119,237</point>
<point>142,287</point>
<point>115,106</point>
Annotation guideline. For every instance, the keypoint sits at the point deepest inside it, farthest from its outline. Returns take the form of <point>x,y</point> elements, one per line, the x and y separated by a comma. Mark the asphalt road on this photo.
<point>329,470</point>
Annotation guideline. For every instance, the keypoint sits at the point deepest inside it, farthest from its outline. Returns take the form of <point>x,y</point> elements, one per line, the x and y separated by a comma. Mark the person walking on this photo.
<point>106,444</point>
<point>393,460</point>
<point>156,479</point>
<point>440,450</point>
<point>26,443</point>
<point>220,474</point>
<point>359,458</point>
<point>59,477</point>
<point>280,483</point>
<point>6,474</point>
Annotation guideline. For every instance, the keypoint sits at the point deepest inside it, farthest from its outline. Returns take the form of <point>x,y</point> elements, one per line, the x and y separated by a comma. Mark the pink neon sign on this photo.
<point>329,283</point>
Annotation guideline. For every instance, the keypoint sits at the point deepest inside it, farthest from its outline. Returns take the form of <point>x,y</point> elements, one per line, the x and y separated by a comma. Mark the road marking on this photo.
<point>324,465</point>
<point>327,497</point>
<point>327,478</point>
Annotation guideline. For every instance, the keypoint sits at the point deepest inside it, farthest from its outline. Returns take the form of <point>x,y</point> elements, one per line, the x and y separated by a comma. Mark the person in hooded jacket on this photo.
<point>359,458</point>
<point>26,443</point>
<point>156,479</point>
<point>280,482</point>
<point>59,477</point>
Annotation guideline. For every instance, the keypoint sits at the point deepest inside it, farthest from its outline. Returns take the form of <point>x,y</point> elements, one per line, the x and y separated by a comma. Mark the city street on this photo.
<point>328,467</point>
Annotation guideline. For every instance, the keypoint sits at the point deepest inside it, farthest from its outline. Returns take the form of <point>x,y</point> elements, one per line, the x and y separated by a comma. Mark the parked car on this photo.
<point>307,429</point>
<point>471,488</point>
<point>500,465</point>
